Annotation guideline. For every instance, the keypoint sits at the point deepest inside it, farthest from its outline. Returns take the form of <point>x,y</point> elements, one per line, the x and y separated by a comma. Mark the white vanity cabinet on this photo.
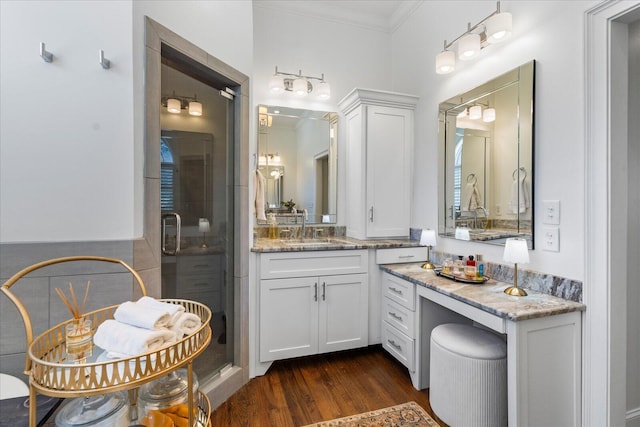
<point>379,140</point>
<point>312,302</point>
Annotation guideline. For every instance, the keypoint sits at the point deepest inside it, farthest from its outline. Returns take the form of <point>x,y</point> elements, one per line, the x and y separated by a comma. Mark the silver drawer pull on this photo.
<point>395,316</point>
<point>201,266</point>
<point>406,256</point>
<point>393,344</point>
<point>201,284</point>
<point>397,291</point>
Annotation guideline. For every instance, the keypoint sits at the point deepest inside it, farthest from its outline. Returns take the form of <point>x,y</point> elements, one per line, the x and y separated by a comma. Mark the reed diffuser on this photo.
<point>78,331</point>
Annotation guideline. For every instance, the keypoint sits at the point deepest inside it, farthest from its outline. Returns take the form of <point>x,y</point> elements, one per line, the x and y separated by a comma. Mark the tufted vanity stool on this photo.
<point>468,385</point>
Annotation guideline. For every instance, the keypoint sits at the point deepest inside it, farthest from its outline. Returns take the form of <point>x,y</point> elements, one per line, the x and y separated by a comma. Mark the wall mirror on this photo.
<point>486,153</point>
<point>297,155</point>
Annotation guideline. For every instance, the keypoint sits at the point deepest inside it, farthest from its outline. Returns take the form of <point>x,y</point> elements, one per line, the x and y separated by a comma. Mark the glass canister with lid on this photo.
<point>169,395</point>
<point>105,410</point>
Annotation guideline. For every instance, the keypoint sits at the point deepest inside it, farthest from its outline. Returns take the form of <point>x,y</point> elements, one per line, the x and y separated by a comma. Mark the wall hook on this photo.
<point>106,64</point>
<point>46,56</point>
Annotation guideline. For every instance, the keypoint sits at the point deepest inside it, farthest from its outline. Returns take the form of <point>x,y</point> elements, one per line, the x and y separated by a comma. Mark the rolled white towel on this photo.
<point>174,310</point>
<point>141,316</point>
<point>187,324</point>
<point>114,336</point>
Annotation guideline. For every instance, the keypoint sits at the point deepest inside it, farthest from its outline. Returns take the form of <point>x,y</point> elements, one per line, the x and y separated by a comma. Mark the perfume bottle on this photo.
<point>479,266</point>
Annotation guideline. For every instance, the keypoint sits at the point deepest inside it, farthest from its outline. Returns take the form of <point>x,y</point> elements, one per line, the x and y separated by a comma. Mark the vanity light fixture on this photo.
<point>494,28</point>
<point>517,252</point>
<point>299,84</point>
<point>175,104</point>
<point>428,239</point>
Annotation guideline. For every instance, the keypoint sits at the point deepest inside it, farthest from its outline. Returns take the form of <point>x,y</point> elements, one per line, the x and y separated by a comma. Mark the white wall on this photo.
<point>66,128</point>
<point>552,33</point>
<point>71,133</point>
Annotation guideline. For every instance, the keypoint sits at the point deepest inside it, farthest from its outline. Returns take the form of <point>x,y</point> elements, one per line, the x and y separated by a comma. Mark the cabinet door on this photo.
<point>288,318</point>
<point>389,152</point>
<point>344,312</point>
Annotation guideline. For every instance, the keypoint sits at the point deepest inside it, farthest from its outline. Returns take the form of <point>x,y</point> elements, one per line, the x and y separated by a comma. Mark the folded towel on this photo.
<point>141,316</point>
<point>187,324</point>
<point>174,310</point>
<point>114,336</point>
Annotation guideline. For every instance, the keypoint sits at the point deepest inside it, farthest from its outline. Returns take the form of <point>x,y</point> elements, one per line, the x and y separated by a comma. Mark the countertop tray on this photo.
<point>461,279</point>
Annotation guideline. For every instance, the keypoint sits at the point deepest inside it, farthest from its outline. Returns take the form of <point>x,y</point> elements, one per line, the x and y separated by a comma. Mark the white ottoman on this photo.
<point>468,385</point>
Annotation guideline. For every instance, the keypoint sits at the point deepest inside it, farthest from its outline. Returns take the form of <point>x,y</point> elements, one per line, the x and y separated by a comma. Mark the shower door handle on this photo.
<point>164,233</point>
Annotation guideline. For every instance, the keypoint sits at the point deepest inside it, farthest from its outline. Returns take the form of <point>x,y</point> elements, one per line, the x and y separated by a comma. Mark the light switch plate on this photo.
<point>551,239</point>
<point>551,213</point>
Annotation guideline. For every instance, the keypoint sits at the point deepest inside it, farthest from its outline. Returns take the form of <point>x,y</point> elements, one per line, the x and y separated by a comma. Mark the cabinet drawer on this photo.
<point>191,284</point>
<point>319,263</point>
<point>198,264</point>
<point>398,290</point>
<point>398,316</point>
<point>399,345</point>
<point>400,255</point>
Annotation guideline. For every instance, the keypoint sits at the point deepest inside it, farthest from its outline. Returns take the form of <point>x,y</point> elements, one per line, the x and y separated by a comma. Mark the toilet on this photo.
<point>468,371</point>
<point>11,387</point>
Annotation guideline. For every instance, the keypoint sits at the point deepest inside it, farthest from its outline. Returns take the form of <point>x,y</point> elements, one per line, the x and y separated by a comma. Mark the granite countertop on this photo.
<point>327,244</point>
<point>489,296</point>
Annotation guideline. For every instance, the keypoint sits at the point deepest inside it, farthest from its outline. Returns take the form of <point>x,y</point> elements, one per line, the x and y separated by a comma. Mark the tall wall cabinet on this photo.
<point>379,138</point>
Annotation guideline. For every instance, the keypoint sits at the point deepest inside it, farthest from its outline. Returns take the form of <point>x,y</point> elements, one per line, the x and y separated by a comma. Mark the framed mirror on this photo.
<point>297,155</point>
<point>486,154</point>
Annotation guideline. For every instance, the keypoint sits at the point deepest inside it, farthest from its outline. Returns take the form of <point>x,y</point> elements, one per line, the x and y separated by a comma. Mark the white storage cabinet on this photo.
<point>312,302</point>
<point>379,129</point>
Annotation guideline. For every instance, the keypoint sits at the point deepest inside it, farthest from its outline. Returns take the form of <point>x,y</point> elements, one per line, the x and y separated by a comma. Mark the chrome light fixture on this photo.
<point>176,103</point>
<point>494,28</point>
<point>299,84</point>
<point>428,239</point>
<point>517,252</point>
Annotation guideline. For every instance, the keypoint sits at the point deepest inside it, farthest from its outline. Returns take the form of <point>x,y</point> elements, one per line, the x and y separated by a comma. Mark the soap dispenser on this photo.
<point>273,226</point>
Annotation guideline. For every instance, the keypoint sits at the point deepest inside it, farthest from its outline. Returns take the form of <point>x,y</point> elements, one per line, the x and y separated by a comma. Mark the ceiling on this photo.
<point>381,15</point>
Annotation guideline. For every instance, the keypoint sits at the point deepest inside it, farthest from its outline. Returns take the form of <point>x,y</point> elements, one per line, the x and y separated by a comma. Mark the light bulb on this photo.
<point>469,47</point>
<point>276,84</point>
<point>445,62</point>
<point>174,105</point>
<point>195,108</point>
<point>498,27</point>
<point>475,112</point>
<point>300,87</point>
<point>489,115</point>
<point>324,90</point>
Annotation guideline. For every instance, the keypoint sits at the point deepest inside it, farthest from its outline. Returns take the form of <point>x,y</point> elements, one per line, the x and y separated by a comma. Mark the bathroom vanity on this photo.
<point>543,335</point>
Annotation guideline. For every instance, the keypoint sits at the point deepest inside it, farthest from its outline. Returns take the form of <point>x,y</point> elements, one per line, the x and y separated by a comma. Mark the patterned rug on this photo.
<point>408,414</point>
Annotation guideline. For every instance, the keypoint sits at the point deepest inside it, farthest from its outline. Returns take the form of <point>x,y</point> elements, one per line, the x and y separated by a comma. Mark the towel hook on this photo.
<point>515,171</point>
<point>104,62</point>
<point>472,178</point>
<point>46,56</point>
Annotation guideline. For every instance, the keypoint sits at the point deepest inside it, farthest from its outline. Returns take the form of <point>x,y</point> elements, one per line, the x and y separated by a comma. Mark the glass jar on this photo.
<point>105,410</point>
<point>165,392</point>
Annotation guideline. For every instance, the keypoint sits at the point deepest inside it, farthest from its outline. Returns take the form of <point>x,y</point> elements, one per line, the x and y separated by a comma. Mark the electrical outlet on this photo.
<point>551,239</point>
<point>551,212</point>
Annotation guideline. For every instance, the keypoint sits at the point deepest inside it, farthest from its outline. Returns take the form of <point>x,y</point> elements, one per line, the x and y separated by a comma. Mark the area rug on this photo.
<point>408,414</point>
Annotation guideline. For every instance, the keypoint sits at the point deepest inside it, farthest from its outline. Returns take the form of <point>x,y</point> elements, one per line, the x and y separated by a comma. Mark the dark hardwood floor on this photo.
<point>318,388</point>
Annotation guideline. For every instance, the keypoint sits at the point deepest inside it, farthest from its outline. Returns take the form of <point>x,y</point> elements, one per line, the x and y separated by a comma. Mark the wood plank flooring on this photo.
<point>319,388</point>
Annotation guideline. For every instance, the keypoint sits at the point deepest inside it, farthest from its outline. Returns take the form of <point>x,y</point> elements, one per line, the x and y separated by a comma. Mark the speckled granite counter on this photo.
<point>328,244</point>
<point>489,296</point>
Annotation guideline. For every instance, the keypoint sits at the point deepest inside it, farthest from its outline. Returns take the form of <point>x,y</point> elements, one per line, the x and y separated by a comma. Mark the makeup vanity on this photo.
<point>543,335</point>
